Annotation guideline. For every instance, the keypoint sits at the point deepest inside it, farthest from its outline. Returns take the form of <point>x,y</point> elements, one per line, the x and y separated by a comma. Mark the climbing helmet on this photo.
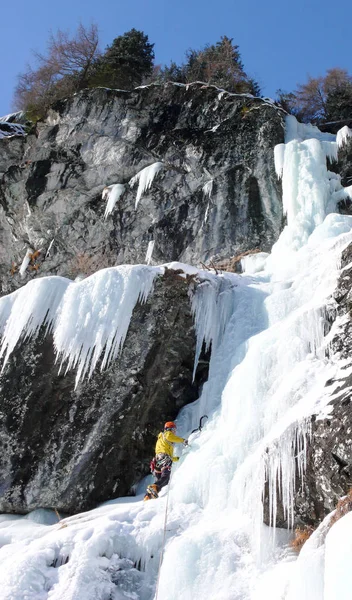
<point>169,425</point>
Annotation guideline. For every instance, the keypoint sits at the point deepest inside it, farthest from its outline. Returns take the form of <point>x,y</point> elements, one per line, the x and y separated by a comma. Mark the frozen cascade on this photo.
<point>267,375</point>
<point>212,306</point>
<point>275,381</point>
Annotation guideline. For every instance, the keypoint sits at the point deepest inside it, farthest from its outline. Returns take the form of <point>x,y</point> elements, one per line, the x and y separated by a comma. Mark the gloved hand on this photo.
<point>185,442</point>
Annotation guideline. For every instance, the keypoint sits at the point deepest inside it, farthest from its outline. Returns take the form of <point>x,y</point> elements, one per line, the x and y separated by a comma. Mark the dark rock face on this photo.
<point>69,448</point>
<point>345,164</point>
<point>52,181</point>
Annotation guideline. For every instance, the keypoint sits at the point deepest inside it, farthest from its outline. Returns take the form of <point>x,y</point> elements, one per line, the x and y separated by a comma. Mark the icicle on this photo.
<point>95,314</point>
<point>50,246</point>
<point>148,256</point>
<point>279,156</point>
<point>113,193</point>
<point>343,135</point>
<point>330,149</point>
<point>32,306</point>
<point>25,262</point>
<point>208,188</point>
<point>145,179</point>
<point>212,307</point>
<point>285,459</point>
<point>89,319</point>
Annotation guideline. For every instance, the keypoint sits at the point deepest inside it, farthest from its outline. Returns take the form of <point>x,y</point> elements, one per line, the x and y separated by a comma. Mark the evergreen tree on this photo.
<point>126,62</point>
<point>219,64</point>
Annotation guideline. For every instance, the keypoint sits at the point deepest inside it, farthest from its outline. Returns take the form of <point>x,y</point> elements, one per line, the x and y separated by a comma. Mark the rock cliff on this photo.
<point>216,195</point>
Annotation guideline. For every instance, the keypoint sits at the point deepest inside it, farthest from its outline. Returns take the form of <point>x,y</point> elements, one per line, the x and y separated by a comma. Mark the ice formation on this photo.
<point>267,376</point>
<point>89,319</point>
<point>113,194</point>
<point>149,254</point>
<point>145,179</point>
<point>208,188</point>
<point>94,315</point>
<point>343,135</point>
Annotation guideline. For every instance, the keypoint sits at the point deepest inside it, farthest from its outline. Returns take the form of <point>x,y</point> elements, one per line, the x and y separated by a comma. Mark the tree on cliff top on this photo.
<point>63,70</point>
<point>219,64</point>
<point>321,99</point>
<point>126,62</point>
<point>73,63</point>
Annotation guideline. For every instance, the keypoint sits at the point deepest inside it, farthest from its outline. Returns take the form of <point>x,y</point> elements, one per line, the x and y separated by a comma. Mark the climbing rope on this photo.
<point>164,538</point>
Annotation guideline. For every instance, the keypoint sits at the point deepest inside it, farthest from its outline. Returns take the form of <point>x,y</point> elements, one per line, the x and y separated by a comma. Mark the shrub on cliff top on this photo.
<point>321,99</point>
<point>63,70</point>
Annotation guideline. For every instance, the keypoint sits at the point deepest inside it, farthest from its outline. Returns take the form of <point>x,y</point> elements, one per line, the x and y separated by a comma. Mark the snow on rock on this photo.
<point>10,129</point>
<point>306,579</point>
<point>253,263</point>
<point>112,193</point>
<point>12,117</point>
<point>145,178</point>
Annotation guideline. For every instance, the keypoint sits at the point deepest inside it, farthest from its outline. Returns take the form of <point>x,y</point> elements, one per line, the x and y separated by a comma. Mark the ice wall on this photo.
<point>268,376</point>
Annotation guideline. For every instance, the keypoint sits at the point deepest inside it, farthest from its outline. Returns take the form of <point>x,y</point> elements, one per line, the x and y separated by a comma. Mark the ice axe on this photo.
<point>201,421</point>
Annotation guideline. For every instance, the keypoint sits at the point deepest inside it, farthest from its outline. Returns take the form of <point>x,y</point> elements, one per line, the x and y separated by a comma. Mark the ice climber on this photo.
<point>164,457</point>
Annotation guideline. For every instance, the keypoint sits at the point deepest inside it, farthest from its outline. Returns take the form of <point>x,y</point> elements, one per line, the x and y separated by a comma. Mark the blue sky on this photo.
<point>280,43</point>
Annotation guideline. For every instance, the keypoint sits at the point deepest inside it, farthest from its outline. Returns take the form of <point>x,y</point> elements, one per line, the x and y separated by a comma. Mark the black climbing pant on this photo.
<point>162,473</point>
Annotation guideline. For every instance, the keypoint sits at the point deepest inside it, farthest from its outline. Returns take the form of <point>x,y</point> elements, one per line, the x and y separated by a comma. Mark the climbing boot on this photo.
<point>152,492</point>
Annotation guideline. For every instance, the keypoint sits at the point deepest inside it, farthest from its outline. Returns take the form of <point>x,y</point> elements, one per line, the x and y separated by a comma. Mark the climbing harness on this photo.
<point>200,424</point>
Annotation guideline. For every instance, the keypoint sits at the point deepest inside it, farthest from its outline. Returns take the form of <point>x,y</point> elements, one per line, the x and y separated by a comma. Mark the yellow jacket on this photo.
<point>165,444</point>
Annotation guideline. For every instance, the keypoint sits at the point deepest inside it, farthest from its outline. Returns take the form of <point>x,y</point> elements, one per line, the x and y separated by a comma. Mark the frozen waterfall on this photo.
<point>267,376</point>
